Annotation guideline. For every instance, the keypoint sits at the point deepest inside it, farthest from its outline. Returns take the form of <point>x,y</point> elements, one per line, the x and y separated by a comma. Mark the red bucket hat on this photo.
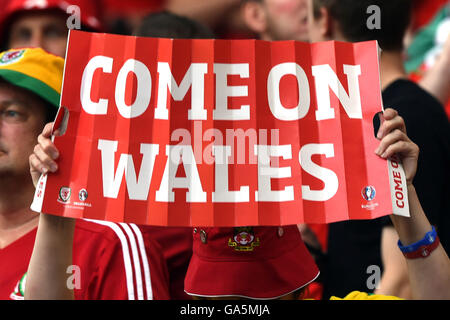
<point>249,262</point>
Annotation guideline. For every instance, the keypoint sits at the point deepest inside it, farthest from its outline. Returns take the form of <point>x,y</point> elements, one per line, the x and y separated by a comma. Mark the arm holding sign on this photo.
<point>429,275</point>
<point>65,245</point>
<point>46,275</point>
<point>394,280</point>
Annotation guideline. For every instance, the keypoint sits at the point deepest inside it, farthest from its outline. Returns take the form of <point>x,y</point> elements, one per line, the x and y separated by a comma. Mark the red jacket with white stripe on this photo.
<point>110,261</point>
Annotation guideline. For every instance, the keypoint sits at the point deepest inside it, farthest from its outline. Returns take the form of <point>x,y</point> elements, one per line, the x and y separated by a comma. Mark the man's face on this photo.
<point>22,118</point>
<point>287,19</point>
<point>40,29</point>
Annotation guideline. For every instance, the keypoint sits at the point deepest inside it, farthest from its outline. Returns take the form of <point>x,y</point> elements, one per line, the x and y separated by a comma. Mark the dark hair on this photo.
<point>352,16</point>
<point>164,24</point>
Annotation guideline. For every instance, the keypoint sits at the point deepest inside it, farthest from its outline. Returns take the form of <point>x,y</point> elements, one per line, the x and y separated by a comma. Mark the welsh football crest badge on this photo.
<point>64,194</point>
<point>243,239</point>
<point>10,57</point>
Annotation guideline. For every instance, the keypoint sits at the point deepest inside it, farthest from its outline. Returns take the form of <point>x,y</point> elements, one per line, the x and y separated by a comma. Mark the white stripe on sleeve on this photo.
<point>145,263</point>
<point>136,261</point>
<point>126,254</point>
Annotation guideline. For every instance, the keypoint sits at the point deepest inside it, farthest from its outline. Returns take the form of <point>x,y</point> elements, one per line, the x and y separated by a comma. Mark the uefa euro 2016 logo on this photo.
<point>368,193</point>
<point>82,195</point>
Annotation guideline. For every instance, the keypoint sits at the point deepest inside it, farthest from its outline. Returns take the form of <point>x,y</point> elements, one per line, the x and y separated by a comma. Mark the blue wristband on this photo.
<point>428,239</point>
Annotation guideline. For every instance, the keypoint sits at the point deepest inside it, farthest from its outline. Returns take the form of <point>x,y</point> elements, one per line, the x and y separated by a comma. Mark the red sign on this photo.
<point>218,133</point>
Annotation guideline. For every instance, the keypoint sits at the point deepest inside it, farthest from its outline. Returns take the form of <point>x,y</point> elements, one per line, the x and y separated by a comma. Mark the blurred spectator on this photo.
<point>428,57</point>
<point>424,11</point>
<point>277,19</point>
<point>45,23</point>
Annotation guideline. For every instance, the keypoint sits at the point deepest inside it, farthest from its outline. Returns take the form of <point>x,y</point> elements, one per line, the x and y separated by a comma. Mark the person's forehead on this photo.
<point>286,2</point>
<point>286,6</point>
<point>9,91</point>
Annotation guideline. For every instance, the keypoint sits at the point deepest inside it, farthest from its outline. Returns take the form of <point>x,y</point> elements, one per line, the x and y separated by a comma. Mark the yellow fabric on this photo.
<point>38,64</point>
<point>357,295</point>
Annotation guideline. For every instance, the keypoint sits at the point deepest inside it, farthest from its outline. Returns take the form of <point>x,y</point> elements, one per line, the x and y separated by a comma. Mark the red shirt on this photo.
<point>176,243</point>
<point>112,261</point>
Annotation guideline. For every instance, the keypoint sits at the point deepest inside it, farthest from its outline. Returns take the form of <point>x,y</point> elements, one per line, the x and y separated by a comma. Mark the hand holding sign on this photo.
<point>395,142</point>
<point>42,160</point>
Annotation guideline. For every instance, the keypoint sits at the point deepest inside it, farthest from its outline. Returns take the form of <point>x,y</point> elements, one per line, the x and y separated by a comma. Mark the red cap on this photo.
<point>249,262</point>
<point>89,10</point>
